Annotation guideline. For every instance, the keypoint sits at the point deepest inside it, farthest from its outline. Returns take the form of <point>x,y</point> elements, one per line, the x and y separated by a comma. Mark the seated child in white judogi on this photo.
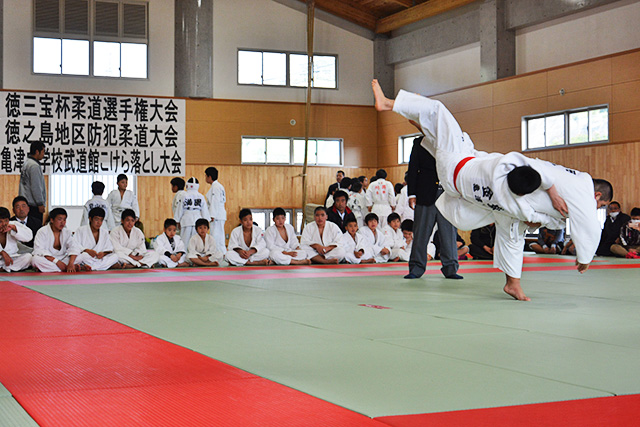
<point>54,248</point>
<point>97,188</point>
<point>95,243</point>
<point>202,249</point>
<point>282,242</point>
<point>393,235</point>
<point>404,253</point>
<point>170,247</point>
<point>354,251</point>
<point>129,243</point>
<point>374,238</point>
<point>246,243</point>
<point>12,232</point>
<point>322,239</point>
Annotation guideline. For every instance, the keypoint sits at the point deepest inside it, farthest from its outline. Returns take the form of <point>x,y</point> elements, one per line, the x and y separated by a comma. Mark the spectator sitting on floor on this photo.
<point>628,243</point>
<point>569,248</point>
<point>549,241</point>
<point>461,246</point>
<point>482,242</point>
<point>611,228</point>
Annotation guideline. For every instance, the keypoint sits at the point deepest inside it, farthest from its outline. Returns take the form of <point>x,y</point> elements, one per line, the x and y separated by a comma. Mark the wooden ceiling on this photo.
<point>383,16</point>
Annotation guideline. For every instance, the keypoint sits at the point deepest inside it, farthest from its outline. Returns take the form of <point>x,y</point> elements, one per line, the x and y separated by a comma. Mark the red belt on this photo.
<point>457,170</point>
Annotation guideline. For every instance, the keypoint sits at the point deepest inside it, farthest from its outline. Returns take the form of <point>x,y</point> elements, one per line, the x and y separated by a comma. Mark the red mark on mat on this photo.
<point>379,307</point>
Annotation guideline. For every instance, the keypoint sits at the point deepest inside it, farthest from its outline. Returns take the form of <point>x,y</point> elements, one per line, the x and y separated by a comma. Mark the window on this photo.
<point>75,189</point>
<point>405,144</point>
<point>102,38</point>
<point>286,69</point>
<point>566,128</point>
<point>290,151</point>
<point>264,217</point>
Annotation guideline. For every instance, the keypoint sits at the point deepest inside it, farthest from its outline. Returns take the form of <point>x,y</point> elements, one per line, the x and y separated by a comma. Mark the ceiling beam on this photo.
<point>349,11</point>
<point>417,13</point>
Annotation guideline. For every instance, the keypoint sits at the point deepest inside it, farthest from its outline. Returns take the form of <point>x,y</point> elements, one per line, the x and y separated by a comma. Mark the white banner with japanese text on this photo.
<point>94,133</point>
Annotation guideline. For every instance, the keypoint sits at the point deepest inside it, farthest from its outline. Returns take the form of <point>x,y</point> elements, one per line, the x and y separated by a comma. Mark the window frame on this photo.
<point>288,54</point>
<point>401,146</point>
<point>567,134</point>
<point>269,216</point>
<point>291,151</point>
<point>91,37</point>
<point>51,193</point>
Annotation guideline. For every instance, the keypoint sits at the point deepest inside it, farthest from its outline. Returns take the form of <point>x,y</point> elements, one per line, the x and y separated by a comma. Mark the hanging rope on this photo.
<point>311,5</point>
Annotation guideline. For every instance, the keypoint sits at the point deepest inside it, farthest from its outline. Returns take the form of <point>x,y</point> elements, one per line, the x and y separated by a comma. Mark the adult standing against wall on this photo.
<point>216,198</point>
<point>335,186</point>
<point>32,185</point>
<point>423,190</point>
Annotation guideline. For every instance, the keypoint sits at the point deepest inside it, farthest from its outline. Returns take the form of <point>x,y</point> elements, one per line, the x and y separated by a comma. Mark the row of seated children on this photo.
<point>322,242</point>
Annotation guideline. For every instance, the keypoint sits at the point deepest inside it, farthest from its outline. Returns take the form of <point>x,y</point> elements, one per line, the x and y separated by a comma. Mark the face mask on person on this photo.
<point>614,214</point>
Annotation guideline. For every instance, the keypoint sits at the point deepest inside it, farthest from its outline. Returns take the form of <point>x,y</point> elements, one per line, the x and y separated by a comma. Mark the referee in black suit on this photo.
<point>423,191</point>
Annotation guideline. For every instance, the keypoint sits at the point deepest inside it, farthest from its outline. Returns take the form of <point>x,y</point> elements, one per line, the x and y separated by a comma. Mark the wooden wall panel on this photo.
<point>510,115</point>
<point>516,89</point>
<point>625,68</point>
<point>625,97</point>
<point>10,185</point>
<point>582,76</point>
<point>578,99</point>
<point>467,99</point>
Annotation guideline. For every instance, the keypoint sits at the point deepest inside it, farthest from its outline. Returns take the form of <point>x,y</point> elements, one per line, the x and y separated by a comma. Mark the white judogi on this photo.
<point>177,202</point>
<point>163,246</point>
<point>376,241</point>
<point>395,240</point>
<point>133,244</point>
<point>405,252</point>
<point>236,241</point>
<point>482,195</point>
<point>85,239</point>
<point>331,236</point>
<point>98,202</point>
<point>402,208</point>
<point>119,204</point>
<point>350,245</point>
<point>197,247</point>
<point>381,197</point>
<point>482,182</point>
<point>43,246</point>
<point>193,207</point>
<point>22,233</point>
<point>277,245</point>
<point>217,197</point>
<point>358,204</point>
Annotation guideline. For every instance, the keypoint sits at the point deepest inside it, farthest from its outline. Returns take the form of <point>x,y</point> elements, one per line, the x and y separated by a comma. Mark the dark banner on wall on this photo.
<point>94,133</point>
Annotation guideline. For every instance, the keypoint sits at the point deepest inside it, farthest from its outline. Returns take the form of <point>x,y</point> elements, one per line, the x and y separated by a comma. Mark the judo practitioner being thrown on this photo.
<point>512,190</point>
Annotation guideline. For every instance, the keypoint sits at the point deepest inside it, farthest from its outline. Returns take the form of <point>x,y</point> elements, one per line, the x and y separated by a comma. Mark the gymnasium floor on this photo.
<point>322,346</point>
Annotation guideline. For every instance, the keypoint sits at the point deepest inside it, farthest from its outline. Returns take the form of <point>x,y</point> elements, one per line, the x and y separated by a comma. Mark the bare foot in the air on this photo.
<point>514,289</point>
<point>382,102</point>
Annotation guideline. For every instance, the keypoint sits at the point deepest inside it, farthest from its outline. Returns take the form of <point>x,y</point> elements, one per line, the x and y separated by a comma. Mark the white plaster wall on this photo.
<point>440,72</point>
<point>265,24</point>
<point>18,47</point>
<point>596,32</point>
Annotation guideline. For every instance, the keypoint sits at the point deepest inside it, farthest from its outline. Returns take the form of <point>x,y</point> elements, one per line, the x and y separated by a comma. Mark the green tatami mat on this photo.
<point>442,345</point>
<point>13,415</point>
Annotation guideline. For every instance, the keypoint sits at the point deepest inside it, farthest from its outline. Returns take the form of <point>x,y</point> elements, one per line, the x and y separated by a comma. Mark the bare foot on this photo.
<point>263,262</point>
<point>183,264</point>
<point>382,102</point>
<point>85,267</point>
<point>300,262</point>
<point>368,261</point>
<point>514,289</point>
